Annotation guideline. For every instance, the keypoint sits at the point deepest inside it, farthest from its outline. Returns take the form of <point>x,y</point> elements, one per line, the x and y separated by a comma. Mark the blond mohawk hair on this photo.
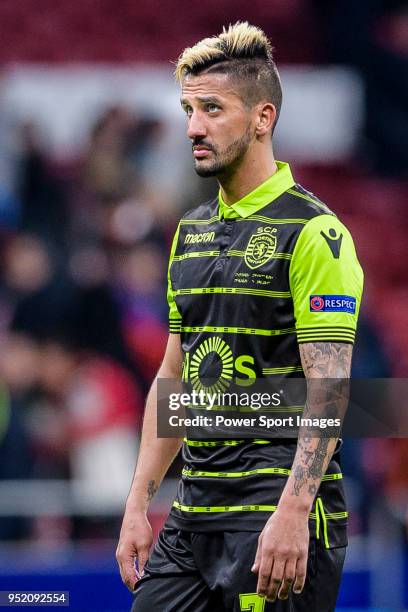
<point>239,41</point>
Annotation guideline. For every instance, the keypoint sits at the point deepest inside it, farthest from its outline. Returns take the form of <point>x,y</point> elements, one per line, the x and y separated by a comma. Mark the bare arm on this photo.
<point>324,360</point>
<point>155,456</point>
<point>281,558</point>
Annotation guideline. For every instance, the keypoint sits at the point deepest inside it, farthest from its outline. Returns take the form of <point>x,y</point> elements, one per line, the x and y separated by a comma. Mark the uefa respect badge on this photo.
<point>333,303</point>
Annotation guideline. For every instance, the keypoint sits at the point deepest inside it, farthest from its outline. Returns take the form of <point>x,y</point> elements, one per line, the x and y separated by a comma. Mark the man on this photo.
<point>263,281</point>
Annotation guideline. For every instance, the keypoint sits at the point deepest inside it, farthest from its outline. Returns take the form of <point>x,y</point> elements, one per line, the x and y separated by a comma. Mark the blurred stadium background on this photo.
<point>95,170</point>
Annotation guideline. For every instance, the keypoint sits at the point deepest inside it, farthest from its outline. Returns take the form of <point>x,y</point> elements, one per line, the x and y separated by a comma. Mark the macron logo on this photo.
<point>203,237</point>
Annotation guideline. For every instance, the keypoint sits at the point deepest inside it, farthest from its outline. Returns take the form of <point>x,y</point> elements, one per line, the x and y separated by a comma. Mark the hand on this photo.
<point>135,540</point>
<point>281,557</point>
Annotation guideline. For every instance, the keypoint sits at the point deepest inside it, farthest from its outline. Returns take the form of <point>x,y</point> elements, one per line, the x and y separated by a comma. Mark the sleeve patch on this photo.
<point>333,303</point>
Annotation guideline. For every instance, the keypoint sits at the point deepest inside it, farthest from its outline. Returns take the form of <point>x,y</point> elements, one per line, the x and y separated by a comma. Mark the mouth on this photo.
<point>200,152</point>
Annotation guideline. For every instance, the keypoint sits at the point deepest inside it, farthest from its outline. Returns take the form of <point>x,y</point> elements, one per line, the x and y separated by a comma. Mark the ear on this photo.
<point>266,119</point>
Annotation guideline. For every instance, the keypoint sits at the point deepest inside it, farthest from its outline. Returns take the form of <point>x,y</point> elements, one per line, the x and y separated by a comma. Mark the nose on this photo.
<point>196,126</point>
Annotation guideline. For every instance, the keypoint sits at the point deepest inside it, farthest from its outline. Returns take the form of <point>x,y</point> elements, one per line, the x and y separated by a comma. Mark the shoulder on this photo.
<point>324,245</point>
<point>317,217</point>
<point>299,202</point>
<point>205,211</point>
<point>323,238</point>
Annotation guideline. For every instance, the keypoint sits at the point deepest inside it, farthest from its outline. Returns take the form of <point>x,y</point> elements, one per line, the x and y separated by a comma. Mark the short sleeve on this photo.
<point>326,282</point>
<point>174,314</point>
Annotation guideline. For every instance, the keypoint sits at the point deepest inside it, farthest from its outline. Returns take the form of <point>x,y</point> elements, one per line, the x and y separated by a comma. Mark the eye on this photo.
<point>188,110</point>
<point>212,108</point>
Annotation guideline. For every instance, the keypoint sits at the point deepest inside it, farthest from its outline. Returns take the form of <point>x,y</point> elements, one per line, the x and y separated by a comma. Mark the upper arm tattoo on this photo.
<point>326,359</point>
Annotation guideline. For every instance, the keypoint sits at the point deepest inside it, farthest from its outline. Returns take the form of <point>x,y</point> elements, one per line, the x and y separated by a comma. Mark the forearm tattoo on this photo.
<point>151,490</point>
<point>327,370</point>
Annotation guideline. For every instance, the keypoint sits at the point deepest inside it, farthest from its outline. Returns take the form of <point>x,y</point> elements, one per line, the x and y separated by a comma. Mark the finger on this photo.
<point>300,574</point>
<point>275,579</point>
<point>288,579</point>
<point>127,569</point>
<point>141,560</point>
<point>264,573</point>
<point>257,561</point>
<point>129,575</point>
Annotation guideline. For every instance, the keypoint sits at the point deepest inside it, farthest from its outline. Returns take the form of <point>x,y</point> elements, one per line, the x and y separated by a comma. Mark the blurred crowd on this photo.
<point>83,312</point>
<point>84,247</point>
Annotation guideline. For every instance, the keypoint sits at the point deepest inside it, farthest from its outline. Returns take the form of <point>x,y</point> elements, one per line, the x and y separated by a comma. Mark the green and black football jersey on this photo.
<point>247,284</point>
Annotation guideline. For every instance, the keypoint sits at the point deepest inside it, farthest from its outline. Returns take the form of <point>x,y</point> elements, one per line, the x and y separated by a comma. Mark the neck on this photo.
<point>253,170</point>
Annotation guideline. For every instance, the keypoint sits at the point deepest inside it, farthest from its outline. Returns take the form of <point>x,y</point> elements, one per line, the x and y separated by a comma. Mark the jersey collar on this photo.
<point>262,195</point>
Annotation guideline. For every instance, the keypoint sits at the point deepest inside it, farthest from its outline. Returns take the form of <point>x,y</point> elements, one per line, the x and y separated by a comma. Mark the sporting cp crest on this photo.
<point>261,247</point>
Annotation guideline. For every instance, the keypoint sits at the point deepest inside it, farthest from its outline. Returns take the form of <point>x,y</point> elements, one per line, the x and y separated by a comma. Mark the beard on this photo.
<point>226,160</point>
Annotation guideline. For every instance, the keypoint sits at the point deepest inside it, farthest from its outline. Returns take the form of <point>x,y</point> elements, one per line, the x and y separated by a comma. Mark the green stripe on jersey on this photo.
<point>325,338</point>
<point>199,221</point>
<point>340,333</point>
<point>196,254</point>
<point>331,516</point>
<point>232,291</point>
<point>325,330</point>
<point>235,253</point>
<point>231,253</point>
<point>251,508</point>
<point>201,474</point>
<point>276,470</point>
<point>274,221</point>
<point>327,327</point>
<point>211,443</point>
<point>309,199</point>
<point>283,370</point>
<point>237,330</point>
<point>248,508</point>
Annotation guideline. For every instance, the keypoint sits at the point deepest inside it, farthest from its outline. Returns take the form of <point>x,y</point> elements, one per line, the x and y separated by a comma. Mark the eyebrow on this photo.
<point>203,100</point>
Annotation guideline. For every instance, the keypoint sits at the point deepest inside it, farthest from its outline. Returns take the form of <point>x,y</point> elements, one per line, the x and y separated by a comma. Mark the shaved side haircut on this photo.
<point>242,51</point>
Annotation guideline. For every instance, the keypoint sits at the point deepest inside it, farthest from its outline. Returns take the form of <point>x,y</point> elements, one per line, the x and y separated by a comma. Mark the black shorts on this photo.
<point>211,572</point>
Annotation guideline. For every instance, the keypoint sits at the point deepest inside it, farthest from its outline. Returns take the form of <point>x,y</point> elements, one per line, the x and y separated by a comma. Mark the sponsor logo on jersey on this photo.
<point>203,237</point>
<point>261,247</point>
<point>211,367</point>
<point>212,352</point>
<point>333,303</point>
